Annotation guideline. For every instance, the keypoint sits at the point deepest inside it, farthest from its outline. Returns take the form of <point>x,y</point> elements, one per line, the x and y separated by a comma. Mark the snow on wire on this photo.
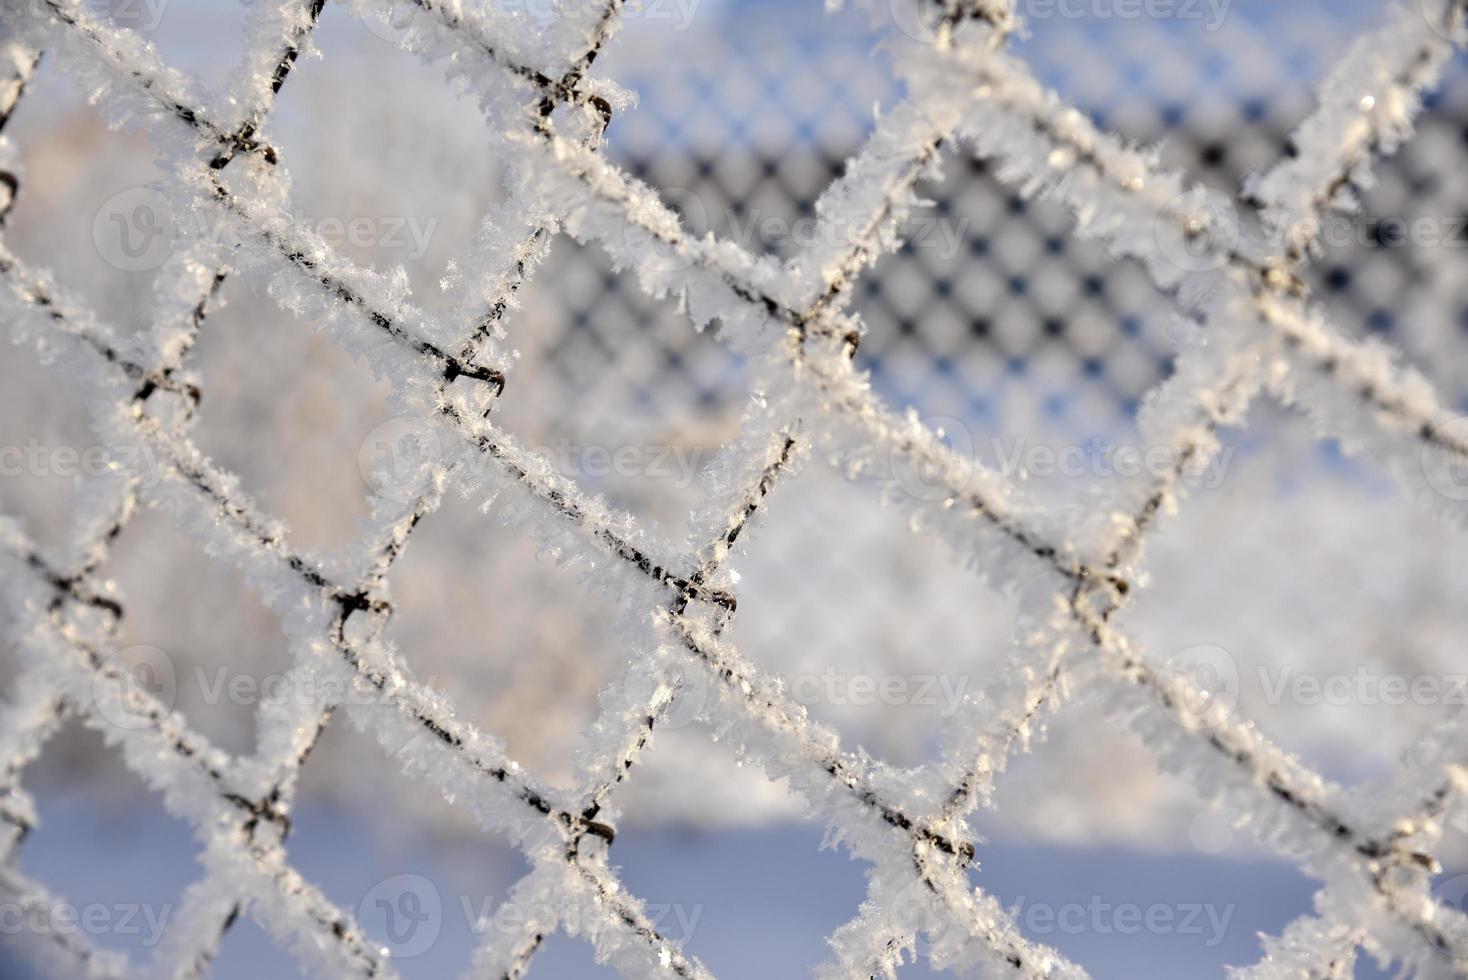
<point>546,112</point>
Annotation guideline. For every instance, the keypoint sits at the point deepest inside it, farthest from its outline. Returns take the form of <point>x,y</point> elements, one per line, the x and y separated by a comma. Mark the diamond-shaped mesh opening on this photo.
<point>564,956</point>
<point>212,657</point>
<point>1196,913</point>
<point>1185,874</point>
<point>713,891</point>
<point>46,446</point>
<point>887,662</point>
<point>1312,661</point>
<point>413,889</point>
<point>995,316</point>
<point>616,389</point>
<point>246,952</point>
<point>1453,852</point>
<point>404,178</point>
<point>728,794</point>
<point>752,165</point>
<point>709,876</point>
<point>91,204</point>
<point>309,475</point>
<point>1088,780</point>
<point>108,854</point>
<point>514,638</point>
<point>204,41</point>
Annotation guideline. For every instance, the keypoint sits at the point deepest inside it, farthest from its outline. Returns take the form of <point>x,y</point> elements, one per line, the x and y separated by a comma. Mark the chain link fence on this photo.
<point>1032,349</point>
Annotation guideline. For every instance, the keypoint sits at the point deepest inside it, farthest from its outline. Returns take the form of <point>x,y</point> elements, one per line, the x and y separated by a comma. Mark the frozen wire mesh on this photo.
<point>1065,570</point>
